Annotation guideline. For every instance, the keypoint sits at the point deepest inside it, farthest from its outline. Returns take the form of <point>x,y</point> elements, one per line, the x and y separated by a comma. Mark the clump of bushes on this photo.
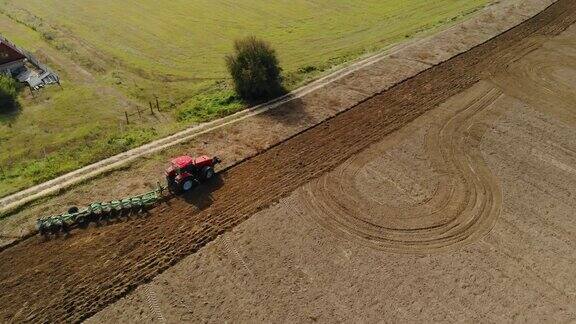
<point>255,70</point>
<point>209,106</point>
<point>8,93</point>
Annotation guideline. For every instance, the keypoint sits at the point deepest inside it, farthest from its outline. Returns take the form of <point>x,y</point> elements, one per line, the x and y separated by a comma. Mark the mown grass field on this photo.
<point>115,56</point>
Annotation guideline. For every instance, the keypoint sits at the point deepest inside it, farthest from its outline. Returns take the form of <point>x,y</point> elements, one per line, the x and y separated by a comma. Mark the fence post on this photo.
<point>138,110</point>
<point>157,104</point>
<point>151,111</point>
<point>127,120</point>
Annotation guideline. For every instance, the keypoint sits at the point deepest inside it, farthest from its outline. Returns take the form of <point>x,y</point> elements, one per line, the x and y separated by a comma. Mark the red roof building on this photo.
<point>9,54</point>
<point>11,59</point>
<point>24,67</point>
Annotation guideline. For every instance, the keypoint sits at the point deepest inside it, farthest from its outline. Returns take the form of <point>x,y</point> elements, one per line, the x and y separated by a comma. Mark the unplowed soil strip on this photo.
<point>71,279</point>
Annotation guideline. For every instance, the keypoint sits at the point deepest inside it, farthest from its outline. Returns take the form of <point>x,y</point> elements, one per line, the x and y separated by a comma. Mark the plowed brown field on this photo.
<point>71,279</point>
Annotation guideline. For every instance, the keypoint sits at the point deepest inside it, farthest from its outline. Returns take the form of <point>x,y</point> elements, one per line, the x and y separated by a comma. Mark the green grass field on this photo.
<point>114,56</point>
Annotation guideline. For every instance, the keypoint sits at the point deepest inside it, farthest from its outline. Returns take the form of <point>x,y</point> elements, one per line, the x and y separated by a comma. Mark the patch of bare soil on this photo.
<point>71,279</point>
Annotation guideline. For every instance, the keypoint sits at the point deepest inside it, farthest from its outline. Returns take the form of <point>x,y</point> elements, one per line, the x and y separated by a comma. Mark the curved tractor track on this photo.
<point>462,205</point>
<point>69,279</point>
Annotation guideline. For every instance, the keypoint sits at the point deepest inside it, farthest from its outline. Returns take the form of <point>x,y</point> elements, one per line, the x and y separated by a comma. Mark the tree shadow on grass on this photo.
<point>9,112</point>
<point>10,108</point>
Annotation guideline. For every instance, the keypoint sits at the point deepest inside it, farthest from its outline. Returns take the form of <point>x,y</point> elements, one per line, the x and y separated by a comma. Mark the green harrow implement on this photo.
<point>96,212</point>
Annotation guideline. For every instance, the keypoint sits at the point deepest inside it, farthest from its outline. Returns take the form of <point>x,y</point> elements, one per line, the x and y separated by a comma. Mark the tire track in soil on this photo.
<point>464,206</point>
<point>67,280</point>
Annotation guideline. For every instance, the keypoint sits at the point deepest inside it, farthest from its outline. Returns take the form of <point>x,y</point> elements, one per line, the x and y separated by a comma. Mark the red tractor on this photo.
<point>185,172</point>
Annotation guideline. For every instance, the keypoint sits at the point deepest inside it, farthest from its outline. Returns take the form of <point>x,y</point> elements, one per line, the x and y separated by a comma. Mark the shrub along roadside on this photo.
<point>205,107</point>
<point>255,70</point>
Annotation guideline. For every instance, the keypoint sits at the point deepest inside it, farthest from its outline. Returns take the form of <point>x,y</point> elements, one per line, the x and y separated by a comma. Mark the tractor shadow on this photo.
<point>201,196</point>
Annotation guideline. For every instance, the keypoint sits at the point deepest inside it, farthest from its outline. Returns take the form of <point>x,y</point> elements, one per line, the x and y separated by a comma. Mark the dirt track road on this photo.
<point>71,279</point>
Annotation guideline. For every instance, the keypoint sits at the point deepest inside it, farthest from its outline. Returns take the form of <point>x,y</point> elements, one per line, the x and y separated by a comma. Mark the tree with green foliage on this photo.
<point>255,69</point>
<point>8,93</point>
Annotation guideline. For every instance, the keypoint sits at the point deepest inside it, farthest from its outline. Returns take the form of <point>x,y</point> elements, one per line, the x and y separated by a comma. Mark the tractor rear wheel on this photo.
<point>207,173</point>
<point>187,185</point>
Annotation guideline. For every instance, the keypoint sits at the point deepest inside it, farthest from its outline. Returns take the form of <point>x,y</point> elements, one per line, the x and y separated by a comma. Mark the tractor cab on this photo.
<point>186,172</point>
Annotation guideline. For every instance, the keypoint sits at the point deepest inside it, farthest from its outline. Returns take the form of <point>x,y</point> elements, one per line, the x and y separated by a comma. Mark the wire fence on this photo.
<point>154,112</point>
<point>152,109</point>
<point>140,111</point>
